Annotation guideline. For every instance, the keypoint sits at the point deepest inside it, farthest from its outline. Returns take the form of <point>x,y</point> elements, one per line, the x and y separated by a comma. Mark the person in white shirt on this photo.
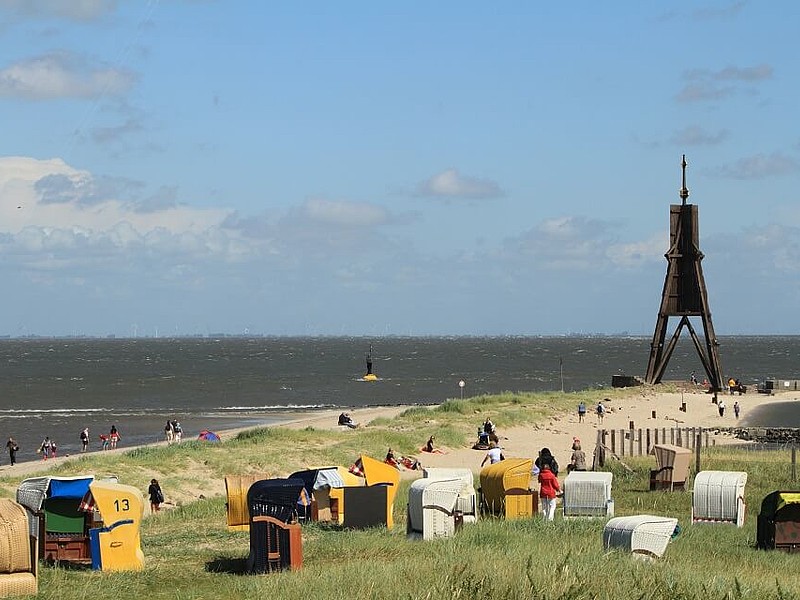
<point>494,455</point>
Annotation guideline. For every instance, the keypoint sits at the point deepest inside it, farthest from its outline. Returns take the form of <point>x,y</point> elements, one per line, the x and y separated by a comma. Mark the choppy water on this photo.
<point>57,387</point>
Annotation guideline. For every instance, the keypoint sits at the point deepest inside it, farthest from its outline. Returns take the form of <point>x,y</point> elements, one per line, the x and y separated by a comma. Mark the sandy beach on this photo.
<point>555,433</point>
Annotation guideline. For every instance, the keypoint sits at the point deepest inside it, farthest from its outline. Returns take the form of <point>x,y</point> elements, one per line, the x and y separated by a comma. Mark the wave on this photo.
<point>278,407</point>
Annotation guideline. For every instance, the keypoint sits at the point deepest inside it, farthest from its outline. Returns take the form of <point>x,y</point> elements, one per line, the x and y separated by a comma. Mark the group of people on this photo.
<point>110,440</point>
<point>48,448</point>
<point>545,469</point>
<point>398,461</point>
<point>600,410</point>
<point>173,431</point>
<point>721,406</point>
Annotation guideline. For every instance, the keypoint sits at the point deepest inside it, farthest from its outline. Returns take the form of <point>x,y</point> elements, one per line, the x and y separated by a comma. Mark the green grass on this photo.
<point>190,553</point>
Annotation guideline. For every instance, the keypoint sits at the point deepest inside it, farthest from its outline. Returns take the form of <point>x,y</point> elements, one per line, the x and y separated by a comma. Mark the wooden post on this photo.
<point>707,444</point>
<point>664,435</point>
<point>631,434</point>
<point>697,453</point>
<point>640,441</point>
<point>622,442</point>
<point>613,441</point>
<point>648,440</point>
<point>672,436</point>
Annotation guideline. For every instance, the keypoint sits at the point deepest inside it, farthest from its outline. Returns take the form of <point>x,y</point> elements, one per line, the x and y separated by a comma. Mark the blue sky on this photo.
<point>363,168</point>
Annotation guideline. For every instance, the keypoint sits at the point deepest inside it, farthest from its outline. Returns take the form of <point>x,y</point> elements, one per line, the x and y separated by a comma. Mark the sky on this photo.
<point>191,167</point>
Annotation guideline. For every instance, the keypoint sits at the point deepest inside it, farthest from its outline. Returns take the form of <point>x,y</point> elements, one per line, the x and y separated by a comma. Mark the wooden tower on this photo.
<point>684,295</point>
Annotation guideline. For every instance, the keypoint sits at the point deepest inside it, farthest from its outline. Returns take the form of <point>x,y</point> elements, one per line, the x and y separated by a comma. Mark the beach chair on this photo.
<point>718,497</point>
<point>672,470</point>
<point>325,488</point>
<point>236,508</point>
<point>505,489</point>
<point>433,507</point>
<point>18,552</point>
<point>588,494</point>
<point>645,536</point>
<point>467,503</point>
<point>378,473</point>
<point>55,517</point>
<point>275,538</point>
<point>116,546</point>
<point>779,522</point>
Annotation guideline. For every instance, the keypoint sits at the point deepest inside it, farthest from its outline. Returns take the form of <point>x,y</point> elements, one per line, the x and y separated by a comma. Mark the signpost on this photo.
<point>461,385</point>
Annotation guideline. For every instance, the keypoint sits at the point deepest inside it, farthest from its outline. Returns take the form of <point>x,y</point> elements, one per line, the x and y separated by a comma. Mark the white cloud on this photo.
<point>705,84</point>
<point>76,205</point>
<point>694,135</point>
<point>452,184</point>
<point>760,166</point>
<point>62,75</point>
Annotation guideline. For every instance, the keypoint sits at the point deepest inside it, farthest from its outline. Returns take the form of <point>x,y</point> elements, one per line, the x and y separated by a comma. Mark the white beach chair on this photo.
<point>718,497</point>
<point>432,507</point>
<point>467,500</point>
<point>588,494</point>
<point>645,536</point>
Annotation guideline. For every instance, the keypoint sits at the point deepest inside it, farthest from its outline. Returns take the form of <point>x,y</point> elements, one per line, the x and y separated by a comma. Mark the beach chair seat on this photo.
<point>117,545</point>
<point>467,503</point>
<point>642,535</point>
<point>672,467</point>
<point>718,497</point>
<point>505,489</point>
<point>236,508</point>
<point>588,494</point>
<point>778,525</point>
<point>433,507</point>
<point>18,552</point>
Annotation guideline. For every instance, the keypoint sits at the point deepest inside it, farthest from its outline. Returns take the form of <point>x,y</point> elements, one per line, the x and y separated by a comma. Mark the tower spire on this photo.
<point>684,193</point>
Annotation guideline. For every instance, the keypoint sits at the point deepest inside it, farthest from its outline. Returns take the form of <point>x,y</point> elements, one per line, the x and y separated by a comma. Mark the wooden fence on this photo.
<point>639,442</point>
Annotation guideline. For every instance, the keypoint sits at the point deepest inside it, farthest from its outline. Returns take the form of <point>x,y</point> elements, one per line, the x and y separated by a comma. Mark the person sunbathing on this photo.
<point>428,447</point>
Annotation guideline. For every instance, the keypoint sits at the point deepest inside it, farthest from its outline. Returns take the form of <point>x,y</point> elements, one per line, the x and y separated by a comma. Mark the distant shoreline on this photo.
<point>778,414</point>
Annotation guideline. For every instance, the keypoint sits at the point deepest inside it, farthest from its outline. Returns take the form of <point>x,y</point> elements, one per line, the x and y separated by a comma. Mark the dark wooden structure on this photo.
<point>684,296</point>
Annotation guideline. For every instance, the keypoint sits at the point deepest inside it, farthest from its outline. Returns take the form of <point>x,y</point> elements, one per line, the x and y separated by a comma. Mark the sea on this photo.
<point>56,387</point>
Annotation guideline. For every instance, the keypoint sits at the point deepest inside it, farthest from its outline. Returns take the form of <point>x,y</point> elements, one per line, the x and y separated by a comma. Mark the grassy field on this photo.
<point>190,553</point>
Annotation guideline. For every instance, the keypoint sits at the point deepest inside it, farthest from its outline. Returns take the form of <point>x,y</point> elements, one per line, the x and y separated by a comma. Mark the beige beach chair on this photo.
<point>672,470</point>
<point>588,494</point>
<point>432,507</point>
<point>18,552</point>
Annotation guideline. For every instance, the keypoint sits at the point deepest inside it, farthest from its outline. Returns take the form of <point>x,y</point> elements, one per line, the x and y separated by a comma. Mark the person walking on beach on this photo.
<point>46,447</point>
<point>601,411</point>
<point>113,436</point>
<point>736,409</point>
<point>581,411</point>
<point>85,439</point>
<point>13,448</point>
<point>156,495</point>
<point>548,490</point>
<point>169,432</point>
<point>176,425</point>
<point>721,407</point>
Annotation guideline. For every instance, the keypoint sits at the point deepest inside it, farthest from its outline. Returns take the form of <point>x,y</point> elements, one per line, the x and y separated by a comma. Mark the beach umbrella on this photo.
<point>208,436</point>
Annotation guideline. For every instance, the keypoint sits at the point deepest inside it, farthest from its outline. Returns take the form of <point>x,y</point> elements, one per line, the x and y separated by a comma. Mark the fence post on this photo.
<point>622,442</point>
<point>613,441</point>
<point>640,441</point>
<point>672,436</point>
<point>631,433</point>
<point>648,439</point>
<point>697,452</point>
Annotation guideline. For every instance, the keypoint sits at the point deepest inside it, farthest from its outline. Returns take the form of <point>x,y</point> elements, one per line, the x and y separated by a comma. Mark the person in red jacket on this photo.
<point>548,490</point>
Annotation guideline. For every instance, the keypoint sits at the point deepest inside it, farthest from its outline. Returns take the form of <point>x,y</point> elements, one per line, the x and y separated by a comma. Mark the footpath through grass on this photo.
<point>190,554</point>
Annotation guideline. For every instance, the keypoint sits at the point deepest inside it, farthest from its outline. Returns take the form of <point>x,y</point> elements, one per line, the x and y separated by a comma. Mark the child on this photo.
<point>549,488</point>
<point>104,441</point>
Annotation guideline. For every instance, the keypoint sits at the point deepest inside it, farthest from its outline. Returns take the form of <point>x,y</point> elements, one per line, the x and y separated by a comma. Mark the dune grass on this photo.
<point>190,553</point>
